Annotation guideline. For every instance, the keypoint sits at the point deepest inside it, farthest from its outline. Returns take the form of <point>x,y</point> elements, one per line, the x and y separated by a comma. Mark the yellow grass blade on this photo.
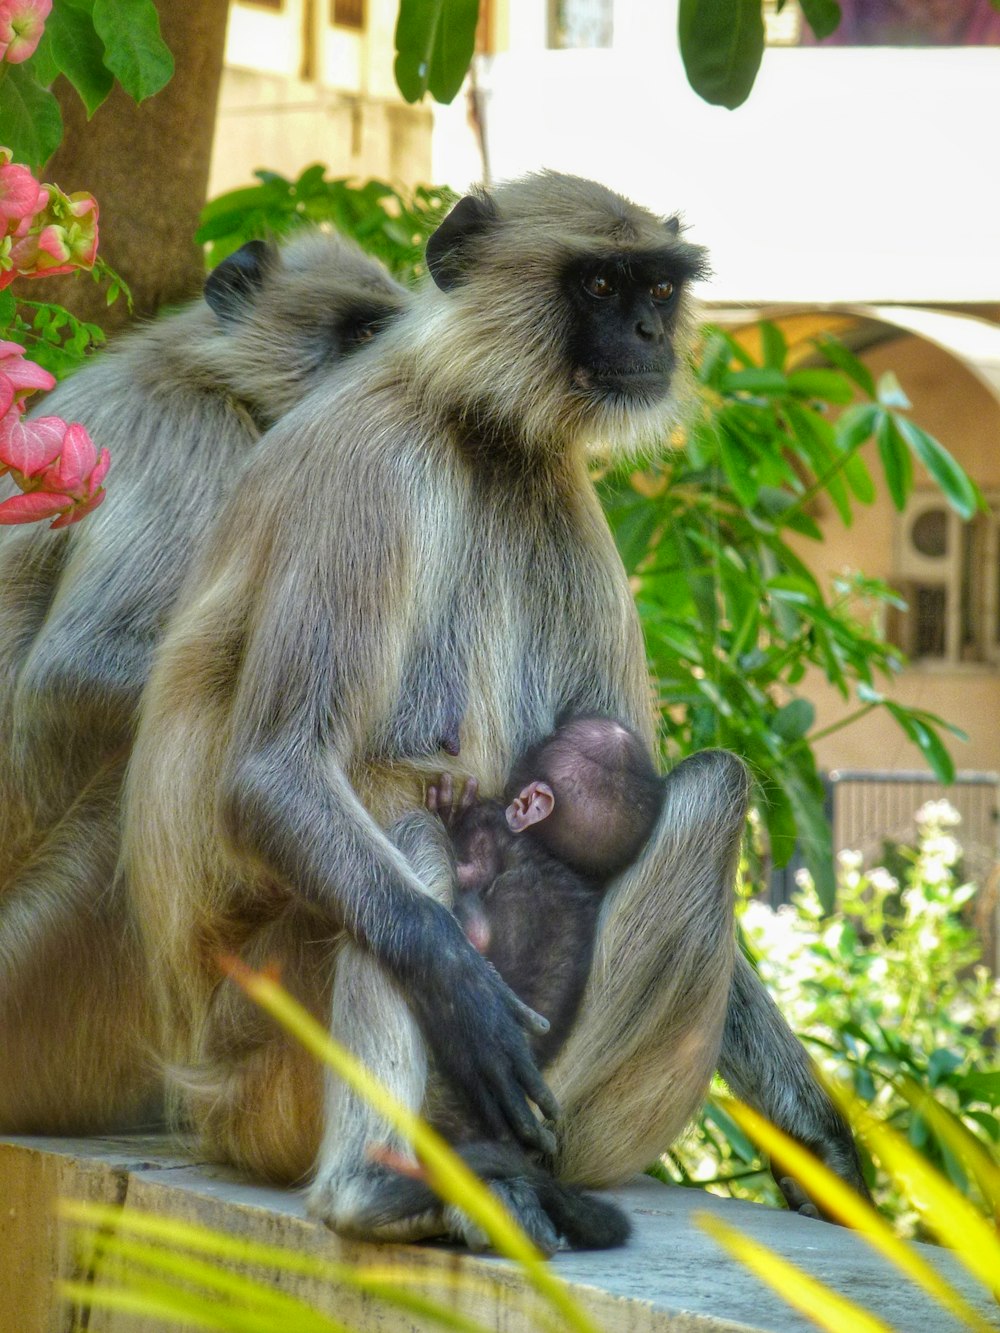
<point>945,1212</point>
<point>447,1174</point>
<point>129,1262</point>
<point>392,1285</point>
<point>841,1202</point>
<point>814,1299</point>
<point>172,1304</point>
<point>194,1236</point>
<point>973,1155</point>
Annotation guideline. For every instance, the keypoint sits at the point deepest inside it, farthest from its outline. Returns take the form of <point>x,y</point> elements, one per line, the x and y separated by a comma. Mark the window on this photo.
<point>949,574</point>
<point>348,13</point>
<point>580,23</point>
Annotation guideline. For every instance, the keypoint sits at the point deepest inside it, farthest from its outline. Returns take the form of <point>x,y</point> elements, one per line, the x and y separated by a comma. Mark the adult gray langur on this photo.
<point>417,577</point>
<point>181,405</point>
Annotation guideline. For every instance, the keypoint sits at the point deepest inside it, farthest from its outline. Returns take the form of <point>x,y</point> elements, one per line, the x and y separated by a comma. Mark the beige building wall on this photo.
<point>950,402</point>
<point>299,89</point>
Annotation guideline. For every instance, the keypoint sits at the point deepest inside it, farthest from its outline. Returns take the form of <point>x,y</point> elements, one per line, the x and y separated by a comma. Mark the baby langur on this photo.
<point>531,874</point>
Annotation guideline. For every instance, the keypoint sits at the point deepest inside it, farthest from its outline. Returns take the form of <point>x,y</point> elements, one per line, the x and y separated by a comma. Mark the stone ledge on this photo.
<point>670,1277</point>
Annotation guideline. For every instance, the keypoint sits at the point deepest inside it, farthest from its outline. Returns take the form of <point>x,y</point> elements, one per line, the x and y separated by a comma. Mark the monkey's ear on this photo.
<point>233,284</point>
<point>531,805</point>
<point>450,249</point>
<point>672,225</point>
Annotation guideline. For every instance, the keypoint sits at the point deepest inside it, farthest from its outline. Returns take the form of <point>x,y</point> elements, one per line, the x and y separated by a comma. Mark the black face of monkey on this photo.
<point>625,308</point>
<point>356,327</point>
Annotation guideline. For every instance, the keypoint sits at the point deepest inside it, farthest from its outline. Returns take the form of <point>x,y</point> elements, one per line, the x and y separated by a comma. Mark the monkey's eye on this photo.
<point>662,290</point>
<point>364,333</point>
<point>598,285</point>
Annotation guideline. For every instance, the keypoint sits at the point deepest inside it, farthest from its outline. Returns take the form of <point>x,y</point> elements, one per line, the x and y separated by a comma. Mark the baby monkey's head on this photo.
<point>588,793</point>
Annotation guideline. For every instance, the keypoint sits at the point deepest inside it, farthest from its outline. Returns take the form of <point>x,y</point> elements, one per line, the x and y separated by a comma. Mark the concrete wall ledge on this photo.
<point>670,1277</point>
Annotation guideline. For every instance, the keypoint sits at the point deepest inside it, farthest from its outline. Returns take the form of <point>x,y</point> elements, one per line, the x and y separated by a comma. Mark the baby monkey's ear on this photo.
<point>531,805</point>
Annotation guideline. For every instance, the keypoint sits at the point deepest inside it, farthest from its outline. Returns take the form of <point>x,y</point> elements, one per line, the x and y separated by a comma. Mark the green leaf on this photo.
<point>736,467</point>
<point>435,41</point>
<point>816,443</point>
<point>845,360</point>
<point>721,44</point>
<point>774,345</point>
<point>30,116</point>
<point>823,16</point>
<point>856,425</point>
<point>43,65</point>
<point>942,1063</point>
<point>79,52</point>
<point>988,1122</point>
<point>134,51</point>
<point>959,490</point>
<point>926,739</point>
<point>793,721</point>
<point>896,461</point>
<point>815,839</point>
<point>755,380</point>
<point>984,1085</point>
<point>829,385</point>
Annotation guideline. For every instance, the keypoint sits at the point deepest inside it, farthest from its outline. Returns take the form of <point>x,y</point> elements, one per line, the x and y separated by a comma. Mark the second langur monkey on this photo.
<point>181,404</point>
<point>441,577</point>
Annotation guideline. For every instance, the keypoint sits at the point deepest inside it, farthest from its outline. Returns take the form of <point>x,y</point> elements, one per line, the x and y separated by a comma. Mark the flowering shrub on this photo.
<point>55,465</point>
<point>45,231</point>
<point>890,987</point>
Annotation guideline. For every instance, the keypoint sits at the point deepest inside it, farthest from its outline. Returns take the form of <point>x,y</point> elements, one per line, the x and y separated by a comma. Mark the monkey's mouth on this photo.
<point>642,385</point>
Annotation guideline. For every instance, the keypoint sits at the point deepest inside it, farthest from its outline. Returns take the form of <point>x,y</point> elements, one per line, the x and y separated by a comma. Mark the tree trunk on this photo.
<point>147,166</point>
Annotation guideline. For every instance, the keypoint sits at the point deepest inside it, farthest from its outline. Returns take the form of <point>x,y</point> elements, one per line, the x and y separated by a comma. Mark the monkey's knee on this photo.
<point>261,1112</point>
<point>253,1093</point>
<point>711,790</point>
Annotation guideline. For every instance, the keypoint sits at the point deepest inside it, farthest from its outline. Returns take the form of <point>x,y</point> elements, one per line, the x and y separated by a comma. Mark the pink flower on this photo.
<point>20,193</point>
<point>21,26</point>
<point>28,447</point>
<point>56,465</point>
<point>20,376</point>
<point>80,468</point>
<point>59,237</point>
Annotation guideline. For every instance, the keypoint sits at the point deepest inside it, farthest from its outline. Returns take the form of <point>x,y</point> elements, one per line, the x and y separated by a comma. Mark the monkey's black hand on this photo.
<point>477,1030</point>
<point>837,1152</point>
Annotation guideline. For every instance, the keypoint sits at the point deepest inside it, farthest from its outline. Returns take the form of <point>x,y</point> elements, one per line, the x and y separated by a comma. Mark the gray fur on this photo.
<point>181,405</point>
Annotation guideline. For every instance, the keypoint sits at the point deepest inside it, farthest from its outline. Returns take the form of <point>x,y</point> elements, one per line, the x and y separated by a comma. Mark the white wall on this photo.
<point>849,174</point>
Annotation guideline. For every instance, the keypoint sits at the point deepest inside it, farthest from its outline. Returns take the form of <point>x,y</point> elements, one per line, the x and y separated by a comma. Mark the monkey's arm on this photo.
<point>89,663</point>
<point>766,1066</point>
<point>320,668</point>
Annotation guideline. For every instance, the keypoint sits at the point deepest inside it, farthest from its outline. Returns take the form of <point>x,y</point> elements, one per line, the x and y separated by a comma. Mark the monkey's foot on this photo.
<point>374,1203</point>
<point>522,1202</point>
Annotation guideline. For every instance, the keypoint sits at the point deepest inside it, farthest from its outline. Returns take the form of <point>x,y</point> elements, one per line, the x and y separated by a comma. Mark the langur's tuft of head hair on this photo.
<point>608,794</point>
<point>317,291</point>
<point>494,340</point>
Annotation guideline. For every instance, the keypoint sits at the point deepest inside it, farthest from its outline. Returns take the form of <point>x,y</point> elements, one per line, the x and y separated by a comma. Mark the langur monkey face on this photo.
<point>621,346</point>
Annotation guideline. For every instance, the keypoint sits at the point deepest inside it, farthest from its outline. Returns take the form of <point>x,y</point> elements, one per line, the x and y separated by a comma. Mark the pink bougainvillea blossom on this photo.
<point>28,446</point>
<point>58,238</point>
<point>21,25</point>
<point>19,377</point>
<point>20,193</point>
<point>56,465</point>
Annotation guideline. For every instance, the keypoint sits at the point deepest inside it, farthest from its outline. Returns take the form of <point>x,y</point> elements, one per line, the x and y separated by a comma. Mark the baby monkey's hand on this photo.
<point>442,801</point>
